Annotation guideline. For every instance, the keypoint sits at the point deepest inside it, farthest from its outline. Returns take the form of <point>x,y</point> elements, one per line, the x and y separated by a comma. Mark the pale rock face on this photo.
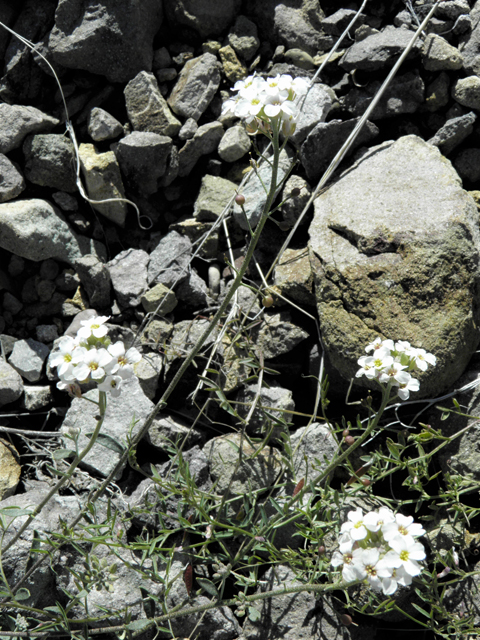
<point>394,246</point>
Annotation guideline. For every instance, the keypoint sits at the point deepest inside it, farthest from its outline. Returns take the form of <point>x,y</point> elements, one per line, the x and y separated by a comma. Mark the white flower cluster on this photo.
<point>91,356</point>
<point>259,102</point>
<point>381,548</point>
<point>392,362</point>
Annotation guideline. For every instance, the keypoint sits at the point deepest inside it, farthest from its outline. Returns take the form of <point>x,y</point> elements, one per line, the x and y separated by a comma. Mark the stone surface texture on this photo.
<point>395,251</point>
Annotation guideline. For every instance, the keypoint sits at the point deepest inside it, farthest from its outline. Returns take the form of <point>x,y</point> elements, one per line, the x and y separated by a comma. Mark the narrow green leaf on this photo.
<point>61,454</point>
<point>109,443</point>
<point>138,625</point>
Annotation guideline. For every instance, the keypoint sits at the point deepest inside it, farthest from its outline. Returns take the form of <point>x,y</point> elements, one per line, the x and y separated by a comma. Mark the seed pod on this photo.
<point>349,440</point>
<point>345,433</point>
<point>321,550</point>
<point>299,487</point>
<point>366,482</point>
<point>188,579</point>
<point>267,301</point>
<point>345,619</point>
<point>240,199</point>
<point>295,192</point>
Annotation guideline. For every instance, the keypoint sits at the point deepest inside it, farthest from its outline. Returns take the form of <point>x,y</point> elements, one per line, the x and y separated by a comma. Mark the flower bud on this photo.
<point>240,199</point>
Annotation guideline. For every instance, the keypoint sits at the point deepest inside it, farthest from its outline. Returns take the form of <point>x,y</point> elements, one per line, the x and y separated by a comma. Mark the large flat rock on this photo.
<point>395,249</point>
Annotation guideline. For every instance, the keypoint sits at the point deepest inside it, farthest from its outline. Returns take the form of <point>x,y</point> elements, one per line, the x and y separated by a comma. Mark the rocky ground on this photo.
<point>391,248</point>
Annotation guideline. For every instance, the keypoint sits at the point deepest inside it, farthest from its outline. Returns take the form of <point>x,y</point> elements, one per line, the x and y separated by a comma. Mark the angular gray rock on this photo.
<point>383,269</point>
<point>193,291</point>
<point>142,156</point>
<point>403,95</point>
<point>254,192</point>
<point>469,43</point>
<point>103,181</point>
<point>253,472</point>
<point>16,122</point>
<point>214,195</point>
<point>95,278</point>
<point>169,260</point>
<point>379,50</point>
<point>124,415</point>
<point>128,272</point>
<point>310,446</point>
<point>114,39</point>
<point>293,24</point>
<point>36,230</point>
<point>207,18</point>
<point>466,91</point>
<point>453,132</point>
<point>28,357</point>
<point>146,107</point>
<point>50,161</point>
<point>234,144</point>
<point>336,23</point>
<point>11,384</point>
<point>262,420</point>
<point>37,397</point>
<point>315,107</point>
<point>159,300</point>
<point>325,141</point>
<point>103,126</point>
<point>197,84</point>
<point>277,335</point>
<point>243,37</point>
<point>12,182</point>
<point>439,55</point>
<point>205,141</point>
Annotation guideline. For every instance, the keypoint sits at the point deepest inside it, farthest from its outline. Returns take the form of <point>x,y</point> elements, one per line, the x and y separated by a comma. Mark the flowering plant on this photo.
<point>381,548</point>
<point>91,356</point>
<point>392,362</point>
<point>261,102</point>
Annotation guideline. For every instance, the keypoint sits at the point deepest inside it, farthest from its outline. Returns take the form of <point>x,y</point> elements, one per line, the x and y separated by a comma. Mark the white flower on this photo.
<point>300,86</point>
<point>409,553</point>
<point>355,525</point>
<point>366,367</point>
<point>365,566</point>
<point>72,388</point>
<point>348,570</point>
<point>112,385</point>
<point>122,362</point>
<point>93,327</point>
<point>378,343</point>
<point>404,389</point>
<point>93,364</point>
<point>422,359</point>
<point>395,372</point>
<point>390,580</point>
<point>403,526</point>
<point>63,357</point>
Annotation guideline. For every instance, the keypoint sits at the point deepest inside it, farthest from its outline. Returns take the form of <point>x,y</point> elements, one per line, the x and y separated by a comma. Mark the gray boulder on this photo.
<point>50,161</point>
<point>243,37</point>
<point>36,230</point>
<point>254,192</point>
<point>197,84</point>
<point>293,24</point>
<point>11,384</point>
<point>124,416</point>
<point>114,39</point>
<point>142,157</point>
<point>204,141</point>
<point>170,259</point>
<point>146,107</point>
<point>12,182</point>
<point>234,144</point>
<point>379,50</point>
<point>325,141</point>
<point>205,18</point>
<point>103,126</point>
<point>381,268</point>
<point>28,358</point>
<point>16,122</point>
<point>469,43</point>
<point>453,132</point>
<point>128,272</point>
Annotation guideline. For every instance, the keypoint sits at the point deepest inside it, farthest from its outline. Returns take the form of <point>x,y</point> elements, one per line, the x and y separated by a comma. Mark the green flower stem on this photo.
<point>102,406</point>
<point>386,392</point>
<point>178,613</point>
